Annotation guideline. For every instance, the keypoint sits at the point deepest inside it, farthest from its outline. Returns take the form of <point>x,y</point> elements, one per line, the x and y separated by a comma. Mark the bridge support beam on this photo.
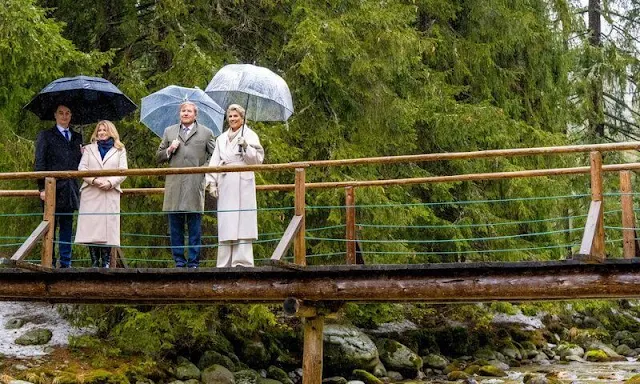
<point>433,283</point>
<point>312,352</point>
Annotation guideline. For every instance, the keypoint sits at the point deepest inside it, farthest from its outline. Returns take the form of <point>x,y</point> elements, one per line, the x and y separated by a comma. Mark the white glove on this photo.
<point>242,142</point>
<point>213,191</point>
<point>174,145</point>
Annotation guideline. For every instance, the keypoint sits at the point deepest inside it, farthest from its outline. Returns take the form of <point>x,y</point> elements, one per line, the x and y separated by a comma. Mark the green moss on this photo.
<point>101,376</point>
<point>457,375</point>
<point>504,307</point>
<point>635,379</point>
<point>366,377</point>
<point>472,369</point>
<point>596,355</point>
<point>490,370</point>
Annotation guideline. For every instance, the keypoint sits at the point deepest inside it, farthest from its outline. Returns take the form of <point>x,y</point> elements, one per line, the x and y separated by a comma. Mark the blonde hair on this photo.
<point>111,130</point>
<point>237,108</point>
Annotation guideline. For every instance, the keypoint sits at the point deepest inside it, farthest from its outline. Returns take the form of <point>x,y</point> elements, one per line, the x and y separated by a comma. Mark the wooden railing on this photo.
<point>592,246</point>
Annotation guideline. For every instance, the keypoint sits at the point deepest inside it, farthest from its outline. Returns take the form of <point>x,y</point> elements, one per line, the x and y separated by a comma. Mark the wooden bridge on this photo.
<point>312,292</point>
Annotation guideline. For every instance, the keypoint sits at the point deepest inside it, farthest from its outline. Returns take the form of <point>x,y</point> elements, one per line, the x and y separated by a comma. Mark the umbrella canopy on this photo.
<point>265,95</point>
<point>161,109</point>
<point>90,99</point>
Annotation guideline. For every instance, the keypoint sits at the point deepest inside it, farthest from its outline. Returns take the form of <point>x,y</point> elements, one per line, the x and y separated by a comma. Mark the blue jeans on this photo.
<point>177,221</point>
<point>64,223</point>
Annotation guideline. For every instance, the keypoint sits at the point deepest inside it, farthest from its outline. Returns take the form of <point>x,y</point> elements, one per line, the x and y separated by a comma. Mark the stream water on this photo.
<point>614,372</point>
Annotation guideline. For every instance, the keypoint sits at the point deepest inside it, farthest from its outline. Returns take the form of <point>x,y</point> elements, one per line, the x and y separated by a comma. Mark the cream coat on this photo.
<point>237,215</point>
<point>185,192</point>
<point>94,228</point>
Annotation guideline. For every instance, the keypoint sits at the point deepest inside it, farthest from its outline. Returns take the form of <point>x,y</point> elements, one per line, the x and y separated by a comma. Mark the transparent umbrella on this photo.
<point>265,95</point>
<point>160,109</point>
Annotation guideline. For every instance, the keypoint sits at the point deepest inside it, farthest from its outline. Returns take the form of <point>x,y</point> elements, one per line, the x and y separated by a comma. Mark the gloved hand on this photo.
<point>213,191</point>
<point>174,145</point>
<point>242,142</point>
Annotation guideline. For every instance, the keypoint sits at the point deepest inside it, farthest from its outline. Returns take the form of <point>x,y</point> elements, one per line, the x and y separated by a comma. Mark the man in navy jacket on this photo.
<point>60,149</point>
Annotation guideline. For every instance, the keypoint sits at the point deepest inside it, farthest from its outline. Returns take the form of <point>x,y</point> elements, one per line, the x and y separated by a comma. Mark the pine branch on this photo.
<point>620,102</point>
<point>624,121</point>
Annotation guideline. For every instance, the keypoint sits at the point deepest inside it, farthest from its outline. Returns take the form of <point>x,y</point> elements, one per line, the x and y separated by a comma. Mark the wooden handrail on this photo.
<point>384,183</point>
<point>328,163</point>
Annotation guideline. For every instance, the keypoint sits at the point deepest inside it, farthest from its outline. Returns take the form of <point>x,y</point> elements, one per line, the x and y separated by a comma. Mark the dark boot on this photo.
<point>106,256</point>
<point>94,252</point>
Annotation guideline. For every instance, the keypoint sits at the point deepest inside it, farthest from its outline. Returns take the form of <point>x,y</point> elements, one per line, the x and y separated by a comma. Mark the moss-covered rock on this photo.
<point>255,352</point>
<point>399,358</point>
<point>186,370</point>
<point>334,380</point>
<point>366,377</point>
<point>262,380</point>
<point>435,361</point>
<point>347,348</point>
<point>472,369</point>
<point>276,373</point>
<point>457,375</point>
<point>635,379</point>
<point>596,355</point>
<point>217,374</point>
<point>246,376</point>
<point>212,357</point>
<point>490,370</point>
<point>36,336</point>
<point>567,350</point>
<point>101,376</point>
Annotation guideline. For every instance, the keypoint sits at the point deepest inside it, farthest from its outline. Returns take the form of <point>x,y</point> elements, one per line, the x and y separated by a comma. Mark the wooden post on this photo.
<point>628,216</point>
<point>598,251</point>
<point>312,354</point>
<point>350,224</point>
<point>50,217</point>
<point>299,245</point>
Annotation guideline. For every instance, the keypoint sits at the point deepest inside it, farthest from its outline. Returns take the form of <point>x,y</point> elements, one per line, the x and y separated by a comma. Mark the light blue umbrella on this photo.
<point>161,109</point>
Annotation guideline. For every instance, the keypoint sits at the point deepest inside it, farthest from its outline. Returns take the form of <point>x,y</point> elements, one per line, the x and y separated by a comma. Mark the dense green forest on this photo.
<point>368,78</point>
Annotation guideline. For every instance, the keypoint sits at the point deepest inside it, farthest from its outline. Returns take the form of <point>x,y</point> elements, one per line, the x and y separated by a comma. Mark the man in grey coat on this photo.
<point>187,144</point>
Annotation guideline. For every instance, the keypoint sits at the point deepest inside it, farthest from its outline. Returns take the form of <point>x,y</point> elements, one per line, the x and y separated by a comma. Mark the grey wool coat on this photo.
<point>186,192</point>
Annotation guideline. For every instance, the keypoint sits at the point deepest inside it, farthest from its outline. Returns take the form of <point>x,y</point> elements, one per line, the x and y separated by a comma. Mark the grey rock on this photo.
<point>625,350</point>
<point>262,373</point>
<point>20,367</point>
<point>395,376</point>
<point>355,382</point>
<point>347,348</point>
<point>36,336</point>
<point>499,364</point>
<point>399,358</point>
<point>511,352</point>
<point>379,370</point>
<point>217,374</point>
<point>568,350</point>
<point>192,381</point>
<point>396,327</point>
<point>176,382</point>
<point>19,382</point>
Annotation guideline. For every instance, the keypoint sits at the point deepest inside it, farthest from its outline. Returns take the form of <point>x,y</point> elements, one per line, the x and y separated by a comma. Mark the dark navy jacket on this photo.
<point>55,153</point>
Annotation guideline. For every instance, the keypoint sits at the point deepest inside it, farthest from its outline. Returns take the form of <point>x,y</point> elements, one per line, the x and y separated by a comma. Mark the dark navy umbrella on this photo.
<point>90,99</point>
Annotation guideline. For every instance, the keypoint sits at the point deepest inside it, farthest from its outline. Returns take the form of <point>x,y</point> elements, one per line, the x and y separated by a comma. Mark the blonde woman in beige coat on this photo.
<point>99,214</point>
